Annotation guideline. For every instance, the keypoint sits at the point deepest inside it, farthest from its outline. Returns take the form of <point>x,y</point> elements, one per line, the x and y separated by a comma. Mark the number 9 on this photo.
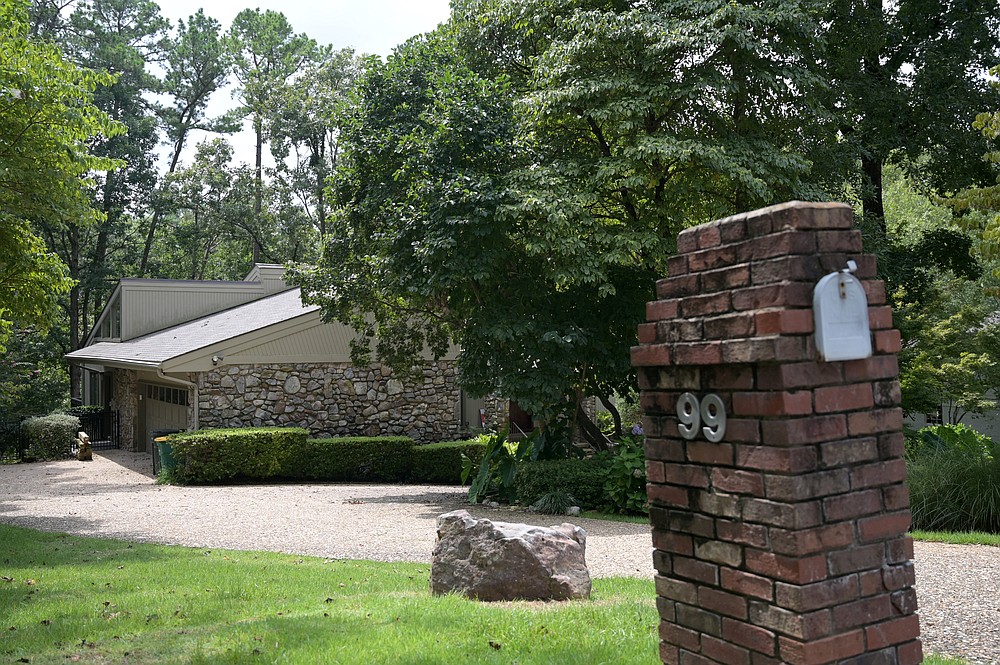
<point>713,413</point>
<point>687,413</point>
<point>691,414</point>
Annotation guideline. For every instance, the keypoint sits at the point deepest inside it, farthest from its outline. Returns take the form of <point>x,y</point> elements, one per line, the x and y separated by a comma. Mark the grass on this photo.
<point>958,537</point>
<point>614,517</point>
<point>69,599</point>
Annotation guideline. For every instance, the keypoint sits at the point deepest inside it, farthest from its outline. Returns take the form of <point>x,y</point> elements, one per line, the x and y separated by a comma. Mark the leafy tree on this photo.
<point>211,228</point>
<point>47,118</point>
<point>266,54</point>
<point>197,64</point>
<point>33,377</point>
<point>303,129</point>
<point>944,305</point>
<point>523,209</point>
<point>119,37</point>
<point>907,79</point>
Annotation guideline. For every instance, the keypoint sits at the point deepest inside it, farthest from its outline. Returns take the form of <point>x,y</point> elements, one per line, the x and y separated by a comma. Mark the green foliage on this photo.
<point>625,487</point>
<point>954,479</point>
<point>581,478</point>
<point>33,378</point>
<point>219,455</point>
<point>496,473</point>
<point>889,65</point>
<point>442,463</point>
<point>500,190</point>
<point>48,123</point>
<point>553,503</point>
<point>944,304</point>
<point>938,438</point>
<point>272,453</point>
<point>51,437</point>
<point>384,459</point>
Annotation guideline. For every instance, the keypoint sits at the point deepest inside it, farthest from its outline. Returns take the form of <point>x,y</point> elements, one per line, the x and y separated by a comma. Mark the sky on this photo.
<point>367,26</point>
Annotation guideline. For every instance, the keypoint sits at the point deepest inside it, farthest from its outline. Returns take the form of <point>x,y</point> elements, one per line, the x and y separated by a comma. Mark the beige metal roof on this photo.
<point>156,348</point>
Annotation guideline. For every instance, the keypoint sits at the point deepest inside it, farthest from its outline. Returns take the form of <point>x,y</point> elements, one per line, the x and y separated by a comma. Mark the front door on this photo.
<point>160,408</point>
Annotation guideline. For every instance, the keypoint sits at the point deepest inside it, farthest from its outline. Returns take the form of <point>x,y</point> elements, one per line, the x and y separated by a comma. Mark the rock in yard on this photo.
<point>489,560</point>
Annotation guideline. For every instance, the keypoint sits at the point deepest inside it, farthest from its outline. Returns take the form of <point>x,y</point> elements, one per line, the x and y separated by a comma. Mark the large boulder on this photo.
<point>489,560</point>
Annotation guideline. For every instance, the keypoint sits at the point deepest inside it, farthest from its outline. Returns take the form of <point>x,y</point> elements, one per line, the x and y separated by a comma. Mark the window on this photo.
<point>95,389</point>
<point>177,396</point>
<point>111,326</point>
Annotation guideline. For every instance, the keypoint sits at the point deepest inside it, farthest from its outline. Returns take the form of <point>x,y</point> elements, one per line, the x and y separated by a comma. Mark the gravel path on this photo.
<point>958,586</point>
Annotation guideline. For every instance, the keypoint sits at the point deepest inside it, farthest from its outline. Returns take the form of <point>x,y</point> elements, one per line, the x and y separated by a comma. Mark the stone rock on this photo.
<point>394,386</point>
<point>292,385</point>
<point>491,561</point>
<point>573,511</point>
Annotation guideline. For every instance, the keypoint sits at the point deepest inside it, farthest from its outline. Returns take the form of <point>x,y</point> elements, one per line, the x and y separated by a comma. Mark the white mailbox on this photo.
<point>840,314</point>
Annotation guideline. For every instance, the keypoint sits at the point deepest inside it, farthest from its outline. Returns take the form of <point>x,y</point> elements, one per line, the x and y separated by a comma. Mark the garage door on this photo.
<point>161,408</point>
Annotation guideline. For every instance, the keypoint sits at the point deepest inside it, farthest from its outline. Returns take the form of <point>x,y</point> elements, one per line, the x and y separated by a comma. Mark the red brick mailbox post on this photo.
<point>776,479</point>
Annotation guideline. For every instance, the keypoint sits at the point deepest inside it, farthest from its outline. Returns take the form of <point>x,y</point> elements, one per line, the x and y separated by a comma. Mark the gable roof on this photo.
<point>153,349</point>
<point>139,306</point>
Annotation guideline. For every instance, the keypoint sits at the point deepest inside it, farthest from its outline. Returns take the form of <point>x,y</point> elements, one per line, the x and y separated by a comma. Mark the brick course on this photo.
<point>785,541</point>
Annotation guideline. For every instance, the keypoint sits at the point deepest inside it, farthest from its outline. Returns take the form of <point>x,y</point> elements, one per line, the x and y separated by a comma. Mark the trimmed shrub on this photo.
<point>625,486</point>
<point>214,455</point>
<point>441,463</point>
<point>953,473</point>
<point>581,478</point>
<point>51,437</point>
<point>353,459</point>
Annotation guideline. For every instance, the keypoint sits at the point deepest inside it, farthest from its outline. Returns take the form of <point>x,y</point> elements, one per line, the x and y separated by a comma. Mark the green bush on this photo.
<point>625,486</point>
<point>953,473</point>
<point>383,459</point>
<point>51,437</point>
<point>441,463</point>
<point>581,478</point>
<point>215,455</point>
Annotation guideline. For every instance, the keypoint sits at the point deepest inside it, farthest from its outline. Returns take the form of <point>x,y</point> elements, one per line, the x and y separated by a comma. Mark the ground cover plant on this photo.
<point>69,599</point>
<point>953,474</point>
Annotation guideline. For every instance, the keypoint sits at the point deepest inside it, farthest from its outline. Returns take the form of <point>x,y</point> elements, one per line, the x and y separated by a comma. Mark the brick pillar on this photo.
<point>785,540</point>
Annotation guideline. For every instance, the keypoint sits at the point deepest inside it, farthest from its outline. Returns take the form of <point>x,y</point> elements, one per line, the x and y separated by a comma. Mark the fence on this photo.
<point>13,440</point>
<point>103,429</point>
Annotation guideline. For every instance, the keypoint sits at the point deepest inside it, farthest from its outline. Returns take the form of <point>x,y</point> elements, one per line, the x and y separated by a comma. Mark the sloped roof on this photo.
<point>155,348</point>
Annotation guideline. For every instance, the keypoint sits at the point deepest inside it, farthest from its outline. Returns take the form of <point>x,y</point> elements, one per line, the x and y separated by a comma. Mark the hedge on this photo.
<point>214,455</point>
<point>272,453</point>
<point>51,437</point>
<point>356,459</point>
<point>583,479</point>
<point>441,463</point>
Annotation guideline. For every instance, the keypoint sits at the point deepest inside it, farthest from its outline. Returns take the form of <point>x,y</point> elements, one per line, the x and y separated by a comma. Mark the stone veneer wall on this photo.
<point>332,399</point>
<point>125,400</point>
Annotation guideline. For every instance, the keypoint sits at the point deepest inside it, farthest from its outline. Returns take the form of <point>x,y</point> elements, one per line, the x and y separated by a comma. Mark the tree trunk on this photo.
<point>258,193</point>
<point>615,415</point>
<point>75,373</point>
<point>158,211</point>
<point>871,203</point>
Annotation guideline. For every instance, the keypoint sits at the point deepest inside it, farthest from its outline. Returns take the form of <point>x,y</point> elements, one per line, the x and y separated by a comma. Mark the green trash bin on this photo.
<point>163,452</point>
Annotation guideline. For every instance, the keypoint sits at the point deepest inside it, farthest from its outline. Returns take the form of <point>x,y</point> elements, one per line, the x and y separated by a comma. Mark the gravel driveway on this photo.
<point>114,496</point>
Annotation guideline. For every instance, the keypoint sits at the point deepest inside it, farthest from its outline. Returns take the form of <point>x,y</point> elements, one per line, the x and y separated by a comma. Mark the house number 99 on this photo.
<point>711,411</point>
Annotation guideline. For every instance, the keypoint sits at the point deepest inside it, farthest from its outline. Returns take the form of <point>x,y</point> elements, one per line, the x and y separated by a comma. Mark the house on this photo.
<point>182,354</point>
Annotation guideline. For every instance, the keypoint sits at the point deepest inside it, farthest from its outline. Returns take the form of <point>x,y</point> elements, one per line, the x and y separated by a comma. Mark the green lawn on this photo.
<point>67,599</point>
<point>958,537</point>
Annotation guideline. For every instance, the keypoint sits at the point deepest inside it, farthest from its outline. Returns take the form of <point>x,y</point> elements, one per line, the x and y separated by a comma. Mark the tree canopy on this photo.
<point>519,196</point>
<point>47,120</point>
